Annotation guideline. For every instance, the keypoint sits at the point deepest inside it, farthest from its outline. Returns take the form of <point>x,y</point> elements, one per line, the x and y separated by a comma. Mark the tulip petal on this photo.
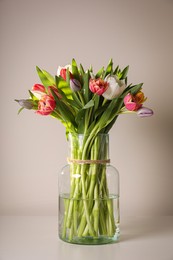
<point>127,98</point>
<point>131,106</point>
<point>38,87</point>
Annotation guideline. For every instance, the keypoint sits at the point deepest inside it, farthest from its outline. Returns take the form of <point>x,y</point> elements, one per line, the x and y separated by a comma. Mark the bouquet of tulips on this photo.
<point>86,103</point>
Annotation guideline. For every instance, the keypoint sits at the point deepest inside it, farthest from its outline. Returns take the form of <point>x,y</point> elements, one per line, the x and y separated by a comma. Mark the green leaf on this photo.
<point>75,70</point>
<point>20,110</point>
<point>45,77</point>
<point>65,111</point>
<point>80,120</point>
<point>96,101</point>
<point>91,68</point>
<point>64,86</point>
<point>126,81</point>
<point>80,116</point>
<point>100,110</point>
<point>124,73</point>
<point>71,102</point>
<point>85,89</point>
<point>108,69</point>
<point>91,127</point>
<point>49,77</point>
<point>99,74</point>
<point>89,104</point>
<point>68,76</point>
<point>76,100</point>
<point>82,71</point>
<point>110,125</point>
<point>110,113</point>
<point>116,70</point>
<point>136,88</point>
<point>34,98</point>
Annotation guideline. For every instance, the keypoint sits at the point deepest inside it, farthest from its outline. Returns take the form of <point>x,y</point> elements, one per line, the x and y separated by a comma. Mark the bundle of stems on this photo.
<point>89,210</point>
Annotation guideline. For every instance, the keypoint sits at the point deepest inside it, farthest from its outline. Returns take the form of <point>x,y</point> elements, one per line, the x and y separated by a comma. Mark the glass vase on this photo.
<point>89,193</point>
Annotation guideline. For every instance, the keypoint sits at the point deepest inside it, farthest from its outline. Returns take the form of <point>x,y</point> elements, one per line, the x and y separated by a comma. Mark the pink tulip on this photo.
<point>46,105</point>
<point>134,102</point>
<point>144,112</point>
<point>98,86</point>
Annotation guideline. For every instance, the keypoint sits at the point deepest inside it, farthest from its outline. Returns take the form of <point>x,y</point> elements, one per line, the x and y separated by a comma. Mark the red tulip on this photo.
<point>46,105</point>
<point>62,71</point>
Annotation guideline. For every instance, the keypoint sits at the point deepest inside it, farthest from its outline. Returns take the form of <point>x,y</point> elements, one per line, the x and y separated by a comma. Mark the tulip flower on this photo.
<point>62,71</point>
<point>46,105</point>
<point>75,85</point>
<point>144,112</point>
<point>134,102</point>
<point>38,90</point>
<point>98,86</point>
<point>25,103</point>
<point>115,87</point>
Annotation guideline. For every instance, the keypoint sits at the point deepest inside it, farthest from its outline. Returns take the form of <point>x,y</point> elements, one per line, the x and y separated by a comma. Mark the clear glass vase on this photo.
<point>89,193</point>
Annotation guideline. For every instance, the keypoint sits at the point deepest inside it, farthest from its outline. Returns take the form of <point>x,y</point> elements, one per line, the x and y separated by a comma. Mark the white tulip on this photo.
<point>115,87</point>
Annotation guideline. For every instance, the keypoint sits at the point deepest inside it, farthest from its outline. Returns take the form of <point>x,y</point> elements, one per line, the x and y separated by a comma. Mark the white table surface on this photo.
<point>35,238</point>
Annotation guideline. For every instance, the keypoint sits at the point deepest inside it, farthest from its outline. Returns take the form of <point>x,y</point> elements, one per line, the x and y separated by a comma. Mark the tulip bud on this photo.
<point>144,112</point>
<point>25,103</point>
<point>38,90</point>
<point>62,71</point>
<point>75,85</point>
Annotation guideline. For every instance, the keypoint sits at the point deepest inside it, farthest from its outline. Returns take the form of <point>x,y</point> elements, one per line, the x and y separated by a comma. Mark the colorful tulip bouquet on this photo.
<point>87,104</point>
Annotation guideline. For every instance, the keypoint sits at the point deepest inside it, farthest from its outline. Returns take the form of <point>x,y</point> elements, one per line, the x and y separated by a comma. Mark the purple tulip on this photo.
<point>144,112</point>
<point>75,85</point>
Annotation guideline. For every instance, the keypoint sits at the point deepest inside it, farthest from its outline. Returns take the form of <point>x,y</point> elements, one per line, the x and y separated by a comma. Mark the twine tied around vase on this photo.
<point>69,160</point>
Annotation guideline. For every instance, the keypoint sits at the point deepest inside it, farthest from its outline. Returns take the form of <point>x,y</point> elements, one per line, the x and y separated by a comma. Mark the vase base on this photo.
<point>92,241</point>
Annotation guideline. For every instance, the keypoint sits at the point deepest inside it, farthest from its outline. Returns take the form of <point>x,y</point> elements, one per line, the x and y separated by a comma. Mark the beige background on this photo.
<point>51,33</point>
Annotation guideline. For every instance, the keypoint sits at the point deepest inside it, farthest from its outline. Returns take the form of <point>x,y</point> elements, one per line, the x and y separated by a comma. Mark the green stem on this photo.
<point>81,98</point>
<point>85,202</point>
<point>96,210</point>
